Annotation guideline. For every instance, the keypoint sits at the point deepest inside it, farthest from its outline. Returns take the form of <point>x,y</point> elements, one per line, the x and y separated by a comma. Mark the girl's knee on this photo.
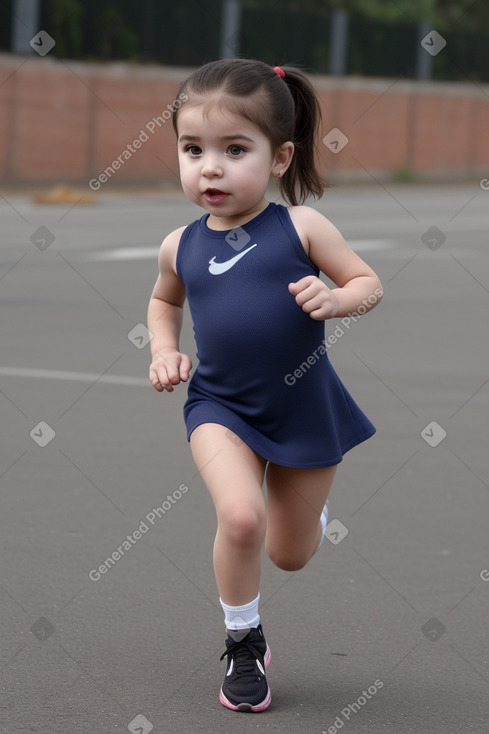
<point>288,559</point>
<point>244,527</point>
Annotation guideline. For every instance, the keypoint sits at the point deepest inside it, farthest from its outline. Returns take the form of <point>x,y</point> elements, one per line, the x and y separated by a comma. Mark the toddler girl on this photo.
<point>264,404</point>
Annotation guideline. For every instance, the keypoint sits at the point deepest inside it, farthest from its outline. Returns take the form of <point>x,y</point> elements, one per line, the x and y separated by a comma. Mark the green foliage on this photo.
<point>66,26</point>
<point>115,37</point>
<point>383,34</point>
<point>442,14</point>
<point>404,175</point>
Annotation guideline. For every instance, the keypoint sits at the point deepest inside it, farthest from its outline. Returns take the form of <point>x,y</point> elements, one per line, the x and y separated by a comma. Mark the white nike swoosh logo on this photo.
<point>218,268</point>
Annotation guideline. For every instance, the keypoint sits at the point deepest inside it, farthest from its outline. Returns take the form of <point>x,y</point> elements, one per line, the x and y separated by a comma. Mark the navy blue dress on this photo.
<point>263,369</point>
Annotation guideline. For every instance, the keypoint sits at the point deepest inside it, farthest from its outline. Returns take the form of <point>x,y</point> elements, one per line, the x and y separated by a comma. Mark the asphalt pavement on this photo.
<point>110,620</point>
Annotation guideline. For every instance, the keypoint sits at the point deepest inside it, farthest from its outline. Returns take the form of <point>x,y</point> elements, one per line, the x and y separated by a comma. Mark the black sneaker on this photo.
<point>245,686</point>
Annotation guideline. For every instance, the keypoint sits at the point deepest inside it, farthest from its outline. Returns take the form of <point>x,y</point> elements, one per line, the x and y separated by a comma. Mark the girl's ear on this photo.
<point>282,159</point>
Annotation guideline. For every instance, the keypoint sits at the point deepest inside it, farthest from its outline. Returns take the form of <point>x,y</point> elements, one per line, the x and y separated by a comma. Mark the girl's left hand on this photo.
<point>315,298</point>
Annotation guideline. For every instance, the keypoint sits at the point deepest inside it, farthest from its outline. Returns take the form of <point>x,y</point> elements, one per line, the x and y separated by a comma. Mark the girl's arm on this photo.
<point>357,284</point>
<point>165,316</point>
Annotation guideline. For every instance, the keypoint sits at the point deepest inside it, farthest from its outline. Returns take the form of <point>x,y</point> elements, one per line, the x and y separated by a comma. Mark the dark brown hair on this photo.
<point>282,108</point>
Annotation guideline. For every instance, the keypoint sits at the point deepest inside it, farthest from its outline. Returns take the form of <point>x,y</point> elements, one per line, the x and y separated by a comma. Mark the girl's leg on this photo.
<point>233,474</point>
<point>296,498</point>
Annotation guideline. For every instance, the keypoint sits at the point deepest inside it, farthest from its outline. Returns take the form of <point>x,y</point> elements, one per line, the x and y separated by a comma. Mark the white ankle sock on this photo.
<point>243,617</point>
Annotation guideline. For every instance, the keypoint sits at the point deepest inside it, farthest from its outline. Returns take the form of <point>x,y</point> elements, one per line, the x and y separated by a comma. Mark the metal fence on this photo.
<point>189,33</point>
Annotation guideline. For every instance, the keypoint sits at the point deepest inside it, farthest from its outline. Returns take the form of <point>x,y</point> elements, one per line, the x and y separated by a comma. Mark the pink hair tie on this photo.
<point>278,70</point>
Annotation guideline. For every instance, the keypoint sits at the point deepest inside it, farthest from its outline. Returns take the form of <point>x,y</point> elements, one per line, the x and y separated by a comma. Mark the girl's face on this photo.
<point>226,163</point>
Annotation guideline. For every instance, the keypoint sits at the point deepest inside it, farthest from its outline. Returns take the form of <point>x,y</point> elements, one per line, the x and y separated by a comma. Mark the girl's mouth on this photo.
<point>215,196</point>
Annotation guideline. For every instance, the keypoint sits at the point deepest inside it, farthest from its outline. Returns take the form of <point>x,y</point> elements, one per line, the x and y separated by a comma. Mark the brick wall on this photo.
<point>69,121</point>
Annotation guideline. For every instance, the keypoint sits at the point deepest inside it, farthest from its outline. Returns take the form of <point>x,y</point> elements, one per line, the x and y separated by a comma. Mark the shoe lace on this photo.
<point>245,654</point>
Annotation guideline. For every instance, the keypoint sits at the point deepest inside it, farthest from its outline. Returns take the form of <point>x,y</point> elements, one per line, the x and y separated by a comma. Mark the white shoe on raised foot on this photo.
<point>324,522</point>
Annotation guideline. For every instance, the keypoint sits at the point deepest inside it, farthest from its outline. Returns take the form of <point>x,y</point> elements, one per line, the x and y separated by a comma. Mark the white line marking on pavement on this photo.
<point>372,245</point>
<point>76,376</point>
<point>125,253</point>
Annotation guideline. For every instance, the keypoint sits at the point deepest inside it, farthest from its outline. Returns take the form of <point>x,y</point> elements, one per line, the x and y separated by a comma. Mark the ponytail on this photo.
<point>302,178</point>
<point>284,106</point>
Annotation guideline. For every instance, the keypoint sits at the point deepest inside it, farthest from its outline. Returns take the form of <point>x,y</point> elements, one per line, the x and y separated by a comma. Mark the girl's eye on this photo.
<point>235,150</point>
<point>193,150</point>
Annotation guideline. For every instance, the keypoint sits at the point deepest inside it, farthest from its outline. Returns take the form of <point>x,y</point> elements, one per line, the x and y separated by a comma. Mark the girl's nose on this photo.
<point>211,166</point>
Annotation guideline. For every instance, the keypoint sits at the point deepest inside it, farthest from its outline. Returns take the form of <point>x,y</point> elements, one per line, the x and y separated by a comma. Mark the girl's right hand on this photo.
<point>168,368</point>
